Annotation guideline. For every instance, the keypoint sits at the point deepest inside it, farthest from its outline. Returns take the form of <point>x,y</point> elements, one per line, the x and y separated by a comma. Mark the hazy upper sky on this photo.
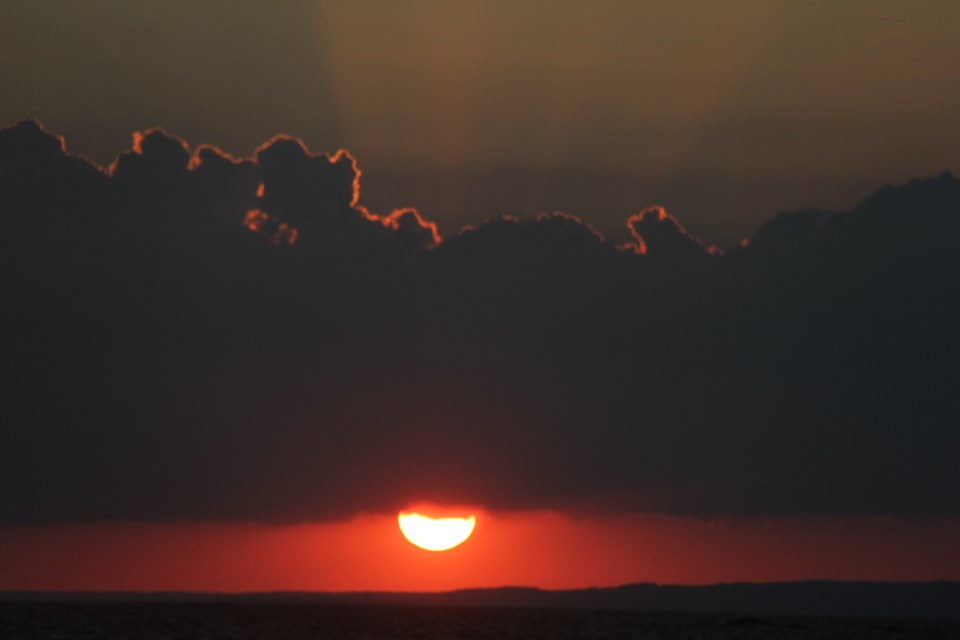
<point>723,112</point>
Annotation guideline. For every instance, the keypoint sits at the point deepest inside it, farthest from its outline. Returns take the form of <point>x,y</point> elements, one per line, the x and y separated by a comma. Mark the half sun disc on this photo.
<point>435,534</point>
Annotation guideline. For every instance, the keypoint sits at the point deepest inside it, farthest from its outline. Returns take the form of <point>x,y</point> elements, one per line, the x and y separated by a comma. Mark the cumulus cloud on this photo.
<point>191,335</point>
<point>655,229</point>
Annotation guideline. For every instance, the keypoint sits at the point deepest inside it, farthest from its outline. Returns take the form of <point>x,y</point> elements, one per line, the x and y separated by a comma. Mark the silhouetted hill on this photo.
<point>918,601</point>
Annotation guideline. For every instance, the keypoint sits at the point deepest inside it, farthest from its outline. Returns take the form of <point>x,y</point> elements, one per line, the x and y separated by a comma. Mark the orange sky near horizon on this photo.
<point>540,549</point>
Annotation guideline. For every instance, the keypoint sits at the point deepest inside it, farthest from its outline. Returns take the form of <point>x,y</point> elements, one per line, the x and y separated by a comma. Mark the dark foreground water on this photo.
<point>265,621</point>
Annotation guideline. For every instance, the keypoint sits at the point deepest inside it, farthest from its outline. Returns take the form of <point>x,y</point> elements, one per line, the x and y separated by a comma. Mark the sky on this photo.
<point>660,292</point>
<point>725,113</point>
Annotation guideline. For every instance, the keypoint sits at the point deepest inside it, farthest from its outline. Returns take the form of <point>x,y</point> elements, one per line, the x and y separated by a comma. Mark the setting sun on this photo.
<point>435,534</point>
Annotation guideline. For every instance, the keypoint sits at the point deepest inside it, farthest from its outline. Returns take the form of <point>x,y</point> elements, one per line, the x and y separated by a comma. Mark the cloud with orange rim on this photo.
<point>194,336</point>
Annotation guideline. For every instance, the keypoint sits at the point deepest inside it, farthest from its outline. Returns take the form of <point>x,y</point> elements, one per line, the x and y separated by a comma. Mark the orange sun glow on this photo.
<point>435,534</point>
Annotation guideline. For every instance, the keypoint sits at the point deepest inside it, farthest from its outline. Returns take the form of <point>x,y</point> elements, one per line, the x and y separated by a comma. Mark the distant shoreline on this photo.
<point>887,600</point>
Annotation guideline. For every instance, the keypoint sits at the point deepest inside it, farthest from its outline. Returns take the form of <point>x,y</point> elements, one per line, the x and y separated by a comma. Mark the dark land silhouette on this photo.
<point>785,610</point>
<point>878,600</point>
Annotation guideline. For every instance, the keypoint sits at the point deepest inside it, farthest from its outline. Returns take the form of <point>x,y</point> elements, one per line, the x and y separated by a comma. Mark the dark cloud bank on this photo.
<point>192,336</point>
